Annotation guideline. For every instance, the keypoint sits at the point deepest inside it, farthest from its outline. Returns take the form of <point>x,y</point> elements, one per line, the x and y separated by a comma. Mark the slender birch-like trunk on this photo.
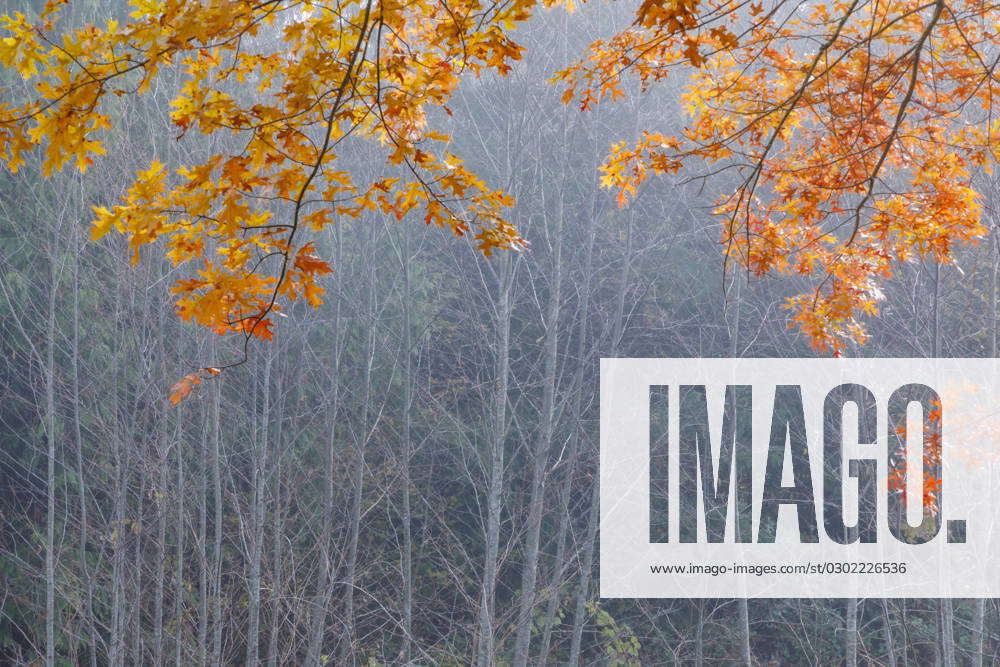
<point>277,528</point>
<point>890,649</point>
<point>85,573</point>
<point>324,587</point>
<point>851,632</point>
<point>347,648</point>
<point>259,463</point>
<point>594,516</point>
<point>162,448</point>
<point>50,475</point>
<point>561,562</point>
<point>203,568</point>
<point>543,443</point>
<point>486,654</point>
<point>217,528</point>
<point>179,565</point>
<point>407,556</point>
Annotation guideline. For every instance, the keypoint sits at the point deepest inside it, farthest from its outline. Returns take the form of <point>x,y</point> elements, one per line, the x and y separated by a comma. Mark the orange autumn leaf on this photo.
<point>309,263</point>
<point>182,389</point>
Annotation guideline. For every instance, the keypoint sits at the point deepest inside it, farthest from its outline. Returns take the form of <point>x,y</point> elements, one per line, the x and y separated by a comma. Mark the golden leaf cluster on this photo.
<point>248,220</point>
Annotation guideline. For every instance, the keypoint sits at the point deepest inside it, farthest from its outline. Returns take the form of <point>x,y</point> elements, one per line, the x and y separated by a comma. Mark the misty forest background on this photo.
<point>406,475</point>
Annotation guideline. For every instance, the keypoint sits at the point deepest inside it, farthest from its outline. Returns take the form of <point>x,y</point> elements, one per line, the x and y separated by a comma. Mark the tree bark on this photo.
<point>948,632</point>
<point>138,641</point>
<point>162,448</point>
<point>978,614</point>
<point>203,591</point>
<point>487,648</point>
<point>540,455</point>
<point>890,649</point>
<point>116,648</point>
<point>277,529</point>
<point>324,588</point>
<point>179,565</point>
<point>743,604</point>
<point>586,566</point>
<point>851,632</point>
<point>565,515</point>
<point>699,635</point>
<point>50,475</point>
<point>260,450</point>
<point>88,608</point>
<point>347,647</point>
<point>217,528</point>
<point>407,564</point>
<point>593,519</point>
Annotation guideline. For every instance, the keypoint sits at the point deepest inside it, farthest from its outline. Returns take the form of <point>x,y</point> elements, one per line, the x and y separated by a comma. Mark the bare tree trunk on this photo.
<point>274,631</point>
<point>50,476</point>
<point>179,572</point>
<point>324,588</point>
<point>260,448</point>
<point>407,564</point>
<point>540,455</point>
<point>277,539</point>
<point>347,648</point>
<point>978,614</point>
<point>945,610</point>
<point>593,519</point>
<point>573,447</point>
<point>161,542</point>
<point>203,592</point>
<point>88,608</point>
<point>851,632</point>
<point>586,565</point>
<point>948,632</point>
<point>906,636</point>
<point>745,654</point>
<point>890,649</point>
<point>487,648</point>
<point>160,498</point>
<point>116,649</point>
<point>938,645</point>
<point>734,351</point>
<point>217,528</point>
<point>137,579</point>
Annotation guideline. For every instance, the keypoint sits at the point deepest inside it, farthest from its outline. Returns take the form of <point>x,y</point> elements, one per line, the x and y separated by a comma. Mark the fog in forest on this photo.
<point>407,474</point>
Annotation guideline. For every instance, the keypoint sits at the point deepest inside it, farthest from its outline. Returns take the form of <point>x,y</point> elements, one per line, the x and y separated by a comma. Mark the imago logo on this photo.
<point>800,477</point>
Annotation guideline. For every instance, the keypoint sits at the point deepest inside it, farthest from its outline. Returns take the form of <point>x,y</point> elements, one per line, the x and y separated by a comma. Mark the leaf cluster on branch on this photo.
<point>855,129</point>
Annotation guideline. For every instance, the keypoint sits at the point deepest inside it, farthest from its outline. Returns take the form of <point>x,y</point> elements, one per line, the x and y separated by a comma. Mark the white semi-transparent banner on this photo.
<point>800,478</point>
